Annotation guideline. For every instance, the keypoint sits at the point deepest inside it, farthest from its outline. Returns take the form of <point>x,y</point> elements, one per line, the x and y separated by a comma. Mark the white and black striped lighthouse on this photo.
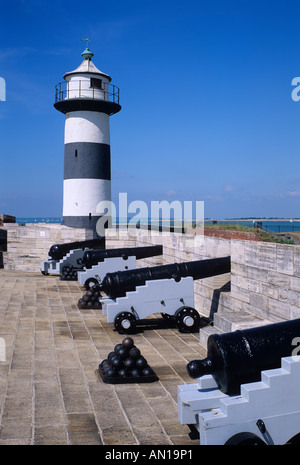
<point>88,99</point>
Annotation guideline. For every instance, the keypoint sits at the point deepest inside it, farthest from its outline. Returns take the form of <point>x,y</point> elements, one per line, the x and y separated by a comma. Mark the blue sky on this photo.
<point>205,89</point>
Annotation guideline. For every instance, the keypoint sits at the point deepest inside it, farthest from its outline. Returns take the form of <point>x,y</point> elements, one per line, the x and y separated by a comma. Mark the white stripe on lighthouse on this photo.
<point>87,126</point>
<point>81,196</point>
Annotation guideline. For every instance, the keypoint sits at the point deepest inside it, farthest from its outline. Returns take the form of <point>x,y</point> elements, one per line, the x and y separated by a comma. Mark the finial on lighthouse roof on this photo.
<point>87,66</point>
<point>87,54</point>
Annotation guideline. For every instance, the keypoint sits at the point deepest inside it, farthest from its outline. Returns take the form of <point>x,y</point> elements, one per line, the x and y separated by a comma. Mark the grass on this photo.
<point>263,235</point>
<point>232,227</point>
<point>268,237</point>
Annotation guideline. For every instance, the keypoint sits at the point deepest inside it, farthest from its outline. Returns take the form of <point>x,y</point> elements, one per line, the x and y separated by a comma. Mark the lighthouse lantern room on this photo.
<point>88,99</point>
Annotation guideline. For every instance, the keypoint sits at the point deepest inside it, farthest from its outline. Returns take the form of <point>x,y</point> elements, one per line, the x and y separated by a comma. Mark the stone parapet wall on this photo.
<point>28,245</point>
<point>265,279</point>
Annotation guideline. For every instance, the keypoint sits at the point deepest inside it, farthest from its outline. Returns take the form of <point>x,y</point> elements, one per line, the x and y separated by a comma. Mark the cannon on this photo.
<point>62,255</point>
<point>58,251</point>
<point>97,263</point>
<point>167,289</point>
<point>239,357</point>
<point>3,240</point>
<point>93,257</point>
<point>117,284</point>
<point>246,389</point>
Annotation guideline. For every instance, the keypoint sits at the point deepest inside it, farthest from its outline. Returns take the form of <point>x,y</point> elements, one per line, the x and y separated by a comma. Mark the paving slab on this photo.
<point>51,392</point>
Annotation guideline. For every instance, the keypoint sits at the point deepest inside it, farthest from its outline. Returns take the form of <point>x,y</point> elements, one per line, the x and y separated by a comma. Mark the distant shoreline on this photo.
<point>291,220</point>
<point>273,225</point>
<point>55,219</point>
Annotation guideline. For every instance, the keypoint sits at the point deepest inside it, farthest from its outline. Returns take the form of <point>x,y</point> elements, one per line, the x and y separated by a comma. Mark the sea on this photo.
<point>275,225</point>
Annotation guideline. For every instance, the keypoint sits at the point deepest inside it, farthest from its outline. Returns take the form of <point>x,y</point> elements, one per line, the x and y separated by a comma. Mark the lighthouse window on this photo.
<point>96,83</point>
<point>76,153</point>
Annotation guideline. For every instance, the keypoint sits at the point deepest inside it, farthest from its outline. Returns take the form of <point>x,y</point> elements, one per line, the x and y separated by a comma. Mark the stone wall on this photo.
<point>28,245</point>
<point>265,279</point>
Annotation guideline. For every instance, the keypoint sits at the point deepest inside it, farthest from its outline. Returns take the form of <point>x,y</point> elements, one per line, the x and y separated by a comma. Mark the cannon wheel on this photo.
<point>125,322</point>
<point>245,439</point>
<point>187,319</point>
<point>90,282</point>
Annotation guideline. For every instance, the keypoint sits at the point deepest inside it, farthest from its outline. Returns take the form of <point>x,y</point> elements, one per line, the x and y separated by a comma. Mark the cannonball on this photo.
<point>110,372</point>
<point>134,353</point>
<point>110,356</point>
<point>127,342</point>
<point>116,363</point>
<point>123,372</point>
<point>135,372</point>
<point>147,371</point>
<point>117,347</point>
<point>141,363</point>
<point>104,364</point>
<point>122,353</point>
<point>129,363</point>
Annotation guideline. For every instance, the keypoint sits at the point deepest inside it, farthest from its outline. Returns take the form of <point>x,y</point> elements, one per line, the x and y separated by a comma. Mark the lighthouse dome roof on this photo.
<point>87,67</point>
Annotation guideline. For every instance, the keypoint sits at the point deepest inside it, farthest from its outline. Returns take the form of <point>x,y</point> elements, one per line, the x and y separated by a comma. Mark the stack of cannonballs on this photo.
<point>90,300</point>
<point>69,273</point>
<point>126,365</point>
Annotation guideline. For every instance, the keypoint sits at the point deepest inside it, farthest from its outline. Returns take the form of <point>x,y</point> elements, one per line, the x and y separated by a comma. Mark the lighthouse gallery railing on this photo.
<point>109,92</point>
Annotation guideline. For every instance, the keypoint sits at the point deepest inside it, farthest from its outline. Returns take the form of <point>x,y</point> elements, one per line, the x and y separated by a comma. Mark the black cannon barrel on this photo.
<point>93,257</point>
<point>118,283</point>
<point>3,240</point>
<point>58,251</point>
<point>239,357</point>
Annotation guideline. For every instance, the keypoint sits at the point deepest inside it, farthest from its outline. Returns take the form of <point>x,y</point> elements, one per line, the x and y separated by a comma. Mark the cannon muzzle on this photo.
<point>118,283</point>
<point>239,357</point>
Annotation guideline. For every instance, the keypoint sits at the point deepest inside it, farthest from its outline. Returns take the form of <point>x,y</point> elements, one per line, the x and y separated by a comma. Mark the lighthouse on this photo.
<point>87,98</point>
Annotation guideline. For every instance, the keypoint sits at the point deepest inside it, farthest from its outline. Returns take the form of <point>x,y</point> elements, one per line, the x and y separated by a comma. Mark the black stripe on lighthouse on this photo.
<point>87,222</point>
<point>87,160</point>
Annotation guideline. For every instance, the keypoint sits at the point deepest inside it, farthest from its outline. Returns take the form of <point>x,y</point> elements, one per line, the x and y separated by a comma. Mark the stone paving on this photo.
<point>50,388</point>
